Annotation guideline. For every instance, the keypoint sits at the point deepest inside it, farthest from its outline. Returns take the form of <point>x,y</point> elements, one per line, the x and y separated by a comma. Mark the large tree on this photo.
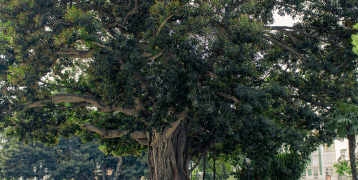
<point>176,77</point>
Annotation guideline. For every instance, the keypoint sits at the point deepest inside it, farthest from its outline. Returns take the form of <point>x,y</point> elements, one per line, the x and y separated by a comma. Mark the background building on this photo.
<point>322,159</point>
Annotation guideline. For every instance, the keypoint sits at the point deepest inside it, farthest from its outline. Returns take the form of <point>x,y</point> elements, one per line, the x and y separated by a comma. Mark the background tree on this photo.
<point>134,167</point>
<point>68,159</point>
<point>177,77</point>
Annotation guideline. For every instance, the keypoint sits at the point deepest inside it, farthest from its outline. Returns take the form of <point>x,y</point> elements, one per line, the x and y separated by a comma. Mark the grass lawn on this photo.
<point>231,177</point>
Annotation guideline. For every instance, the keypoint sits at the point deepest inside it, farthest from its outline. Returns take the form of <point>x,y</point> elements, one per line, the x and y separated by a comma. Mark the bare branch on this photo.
<point>130,12</point>
<point>236,5</point>
<point>228,96</point>
<point>163,23</point>
<point>285,46</point>
<point>74,53</point>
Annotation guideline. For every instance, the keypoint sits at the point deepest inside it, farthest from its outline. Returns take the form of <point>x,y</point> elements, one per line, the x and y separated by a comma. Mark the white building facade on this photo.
<point>321,160</point>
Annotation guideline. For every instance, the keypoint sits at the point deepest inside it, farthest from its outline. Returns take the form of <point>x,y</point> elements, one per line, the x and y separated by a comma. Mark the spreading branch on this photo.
<point>103,46</point>
<point>204,149</point>
<point>213,75</point>
<point>236,5</point>
<point>344,63</point>
<point>59,98</point>
<point>295,29</point>
<point>73,107</point>
<point>59,22</point>
<point>130,13</point>
<point>157,55</point>
<point>168,131</point>
<point>228,96</point>
<point>141,46</point>
<point>309,101</point>
<point>139,136</point>
<point>285,46</point>
<point>163,23</point>
<point>74,53</point>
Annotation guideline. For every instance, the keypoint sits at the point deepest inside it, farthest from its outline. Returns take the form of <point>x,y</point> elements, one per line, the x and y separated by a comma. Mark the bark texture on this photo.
<point>118,168</point>
<point>352,147</point>
<point>168,158</point>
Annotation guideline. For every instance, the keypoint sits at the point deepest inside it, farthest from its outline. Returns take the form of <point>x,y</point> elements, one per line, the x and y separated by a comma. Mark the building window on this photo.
<point>309,162</point>
<point>331,171</point>
<point>304,173</point>
<point>329,149</point>
<point>328,159</point>
<point>315,172</point>
<point>309,171</point>
<point>314,161</point>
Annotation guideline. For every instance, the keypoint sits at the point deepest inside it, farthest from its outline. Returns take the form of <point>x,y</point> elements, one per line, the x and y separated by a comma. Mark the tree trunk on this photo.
<point>214,177</point>
<point>206,154</point>
<point>69,149</point>
<point>104,169</point>
<point>224,172</point>
<point>118,168</point>
<point>168,158</point>
<point>352,147</point>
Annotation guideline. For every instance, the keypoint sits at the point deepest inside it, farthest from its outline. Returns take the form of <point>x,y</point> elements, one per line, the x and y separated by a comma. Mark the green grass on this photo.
<point>231,177</point>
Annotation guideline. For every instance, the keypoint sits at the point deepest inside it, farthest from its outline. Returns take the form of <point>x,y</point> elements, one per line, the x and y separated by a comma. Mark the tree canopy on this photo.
<point>177,77</point>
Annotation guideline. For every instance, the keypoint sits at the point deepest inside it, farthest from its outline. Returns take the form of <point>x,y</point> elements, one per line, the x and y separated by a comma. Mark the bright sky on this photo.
<point>288,21</point>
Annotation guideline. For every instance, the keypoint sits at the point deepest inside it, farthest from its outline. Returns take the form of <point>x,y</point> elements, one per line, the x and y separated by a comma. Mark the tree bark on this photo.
<point>352,147</point>
<point>206,154</point>
<point>69,149</point>
<point>214,164</point>
<point>224,172</point>
<point>118,168</point>
<point>168,158</point>
<point>104,171</point>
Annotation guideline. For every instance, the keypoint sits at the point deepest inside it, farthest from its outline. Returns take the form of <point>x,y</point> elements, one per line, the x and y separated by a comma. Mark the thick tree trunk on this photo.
<point>352,147</point>
<point>168,158</point>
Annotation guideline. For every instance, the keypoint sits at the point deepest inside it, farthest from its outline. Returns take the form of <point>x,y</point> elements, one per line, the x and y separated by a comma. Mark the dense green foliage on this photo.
<point>247,87</point>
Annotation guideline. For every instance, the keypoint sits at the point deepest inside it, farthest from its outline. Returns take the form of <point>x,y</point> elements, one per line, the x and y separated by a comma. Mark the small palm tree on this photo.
<point>345,122</point>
